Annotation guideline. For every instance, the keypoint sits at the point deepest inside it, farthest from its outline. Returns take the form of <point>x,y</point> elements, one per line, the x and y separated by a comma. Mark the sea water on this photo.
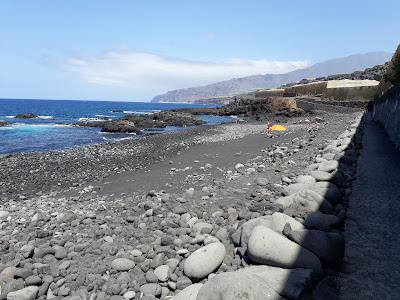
<point>53,128</point>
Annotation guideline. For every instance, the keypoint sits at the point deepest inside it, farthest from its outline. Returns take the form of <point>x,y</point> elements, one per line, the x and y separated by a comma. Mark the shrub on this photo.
<point>392,74</point>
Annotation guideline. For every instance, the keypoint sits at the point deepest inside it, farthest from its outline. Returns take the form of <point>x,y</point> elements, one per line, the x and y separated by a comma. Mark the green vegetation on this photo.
<point>393,72</point>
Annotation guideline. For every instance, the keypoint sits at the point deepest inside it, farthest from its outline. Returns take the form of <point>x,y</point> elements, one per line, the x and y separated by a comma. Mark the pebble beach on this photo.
<point>180,215</point>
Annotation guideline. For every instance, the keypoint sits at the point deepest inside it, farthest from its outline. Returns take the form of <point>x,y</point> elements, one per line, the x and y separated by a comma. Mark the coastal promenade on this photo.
<point>372,226</point>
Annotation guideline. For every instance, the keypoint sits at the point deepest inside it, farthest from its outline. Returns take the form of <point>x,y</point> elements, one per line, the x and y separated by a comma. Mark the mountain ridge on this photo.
<point>251,83</point>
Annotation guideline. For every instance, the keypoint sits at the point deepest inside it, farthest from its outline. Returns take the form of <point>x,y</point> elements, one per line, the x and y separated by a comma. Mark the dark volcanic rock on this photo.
<point>120,126</point>
<point>133,123</point>
<point>2,123</point>
<point>25,116</point>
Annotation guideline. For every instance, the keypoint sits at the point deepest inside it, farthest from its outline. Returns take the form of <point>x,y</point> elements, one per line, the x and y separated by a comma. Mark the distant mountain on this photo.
<point>235,86</point>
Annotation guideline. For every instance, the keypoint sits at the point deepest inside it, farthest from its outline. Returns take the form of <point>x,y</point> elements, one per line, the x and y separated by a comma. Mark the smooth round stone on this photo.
<point>204,261</point>
<point>28,293</point>
<point>122,264</point>
<point>261,181</point>
<point>4,214</point>
<point>182,251</point>
<point>162,272</point>
<point>129,295</point>
<point>297,187</point>
<point>328,190</point>
<point>321,175</point>
<point>306,179</point>
<point>151,289</point>
<point>279,221</point>
<point>328,166</point>
<point>136,253</point>
<point>235,286</point>
<point>33,280</point>
<point>268,247</point>
<point>189,293</point>
<point>202,227</point>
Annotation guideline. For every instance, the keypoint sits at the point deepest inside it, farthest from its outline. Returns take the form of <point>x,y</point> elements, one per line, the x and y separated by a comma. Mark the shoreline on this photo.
<point>94,162</point>
<point>175,194</point>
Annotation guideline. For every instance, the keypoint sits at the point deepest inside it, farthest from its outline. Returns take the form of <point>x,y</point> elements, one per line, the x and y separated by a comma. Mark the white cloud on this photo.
<point>150,74</point>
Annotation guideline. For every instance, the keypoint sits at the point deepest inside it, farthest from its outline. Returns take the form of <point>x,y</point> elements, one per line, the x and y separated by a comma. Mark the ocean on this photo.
<point>50,132</point>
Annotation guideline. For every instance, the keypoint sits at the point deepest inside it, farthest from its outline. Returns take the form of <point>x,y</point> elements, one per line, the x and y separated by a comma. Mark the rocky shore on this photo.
<point>134,123</point>
<point>217,213</point>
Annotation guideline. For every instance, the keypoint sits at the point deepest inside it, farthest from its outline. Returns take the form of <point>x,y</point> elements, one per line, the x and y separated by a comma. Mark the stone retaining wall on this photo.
<point>386,110</point>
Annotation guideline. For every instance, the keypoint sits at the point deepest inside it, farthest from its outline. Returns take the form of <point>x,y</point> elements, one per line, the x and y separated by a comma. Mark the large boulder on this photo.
<point>321,221</point>
<point>297,187</point>
<point>235,286</point>
<point>328,246</point>
<point>189,293</point>
<point>204,261</point>
<point>328,190</point>
<point>276,222</point>
<point>279,221</point>
<point>304,202</point>
<point>328,166</point>
<point>242,234</point>
<point>322,175</point>
<point>270,248</point>
<point>289,283</point>
<point>305,179</point>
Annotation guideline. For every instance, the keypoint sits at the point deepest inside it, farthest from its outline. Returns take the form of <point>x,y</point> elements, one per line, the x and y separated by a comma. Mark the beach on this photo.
<point>40,173</point>
<point>106,219</point>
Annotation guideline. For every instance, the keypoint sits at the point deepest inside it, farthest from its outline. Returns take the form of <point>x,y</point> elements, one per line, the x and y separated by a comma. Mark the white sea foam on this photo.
<point>138,112</point>
<point>10,117</point>
<point>91,119</point>
<point>45,117</point>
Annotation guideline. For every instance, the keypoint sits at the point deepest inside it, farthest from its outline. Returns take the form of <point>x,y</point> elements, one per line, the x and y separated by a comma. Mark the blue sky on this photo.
<point>133,50</point>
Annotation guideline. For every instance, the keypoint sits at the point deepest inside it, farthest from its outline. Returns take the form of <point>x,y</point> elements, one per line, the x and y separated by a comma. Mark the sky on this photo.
<point>133,50</point>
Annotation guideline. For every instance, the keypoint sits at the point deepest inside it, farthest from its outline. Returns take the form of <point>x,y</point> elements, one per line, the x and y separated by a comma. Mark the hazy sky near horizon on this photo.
<point>134,50</point>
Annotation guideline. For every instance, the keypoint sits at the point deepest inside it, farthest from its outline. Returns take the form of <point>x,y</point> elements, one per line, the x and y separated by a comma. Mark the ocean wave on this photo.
<point>98,119</point>
<point>138,112</point>
<point>38,117</point>
<point>112,133</point>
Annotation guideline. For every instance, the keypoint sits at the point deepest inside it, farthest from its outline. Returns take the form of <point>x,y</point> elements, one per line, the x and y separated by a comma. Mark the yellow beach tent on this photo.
<point>278,128</point>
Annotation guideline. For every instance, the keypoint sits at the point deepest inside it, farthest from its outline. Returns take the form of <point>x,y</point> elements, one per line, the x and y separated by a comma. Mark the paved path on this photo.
<point>372,268</point>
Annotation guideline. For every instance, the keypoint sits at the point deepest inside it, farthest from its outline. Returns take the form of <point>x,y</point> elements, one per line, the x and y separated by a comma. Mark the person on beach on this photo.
<point>269,128</point>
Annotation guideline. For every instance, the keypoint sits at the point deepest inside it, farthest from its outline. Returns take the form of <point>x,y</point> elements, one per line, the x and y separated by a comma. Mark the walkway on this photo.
<point>372,267</point>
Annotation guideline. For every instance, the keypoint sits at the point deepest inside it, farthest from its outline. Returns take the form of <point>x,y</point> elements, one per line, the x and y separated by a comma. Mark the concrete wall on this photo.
<point>386,110</point>
<point>315,88</point>
<point>351,93</point>
<point>339,90</point>
<point>309,105</point>
<point>269,93</point>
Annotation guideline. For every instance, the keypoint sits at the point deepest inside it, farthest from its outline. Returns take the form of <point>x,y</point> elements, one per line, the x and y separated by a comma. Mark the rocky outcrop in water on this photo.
<point>133,123</point>
<point>26,116</point>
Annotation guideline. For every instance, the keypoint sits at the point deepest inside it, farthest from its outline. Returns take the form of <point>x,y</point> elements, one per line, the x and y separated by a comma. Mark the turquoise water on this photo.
<point>46,132</point>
